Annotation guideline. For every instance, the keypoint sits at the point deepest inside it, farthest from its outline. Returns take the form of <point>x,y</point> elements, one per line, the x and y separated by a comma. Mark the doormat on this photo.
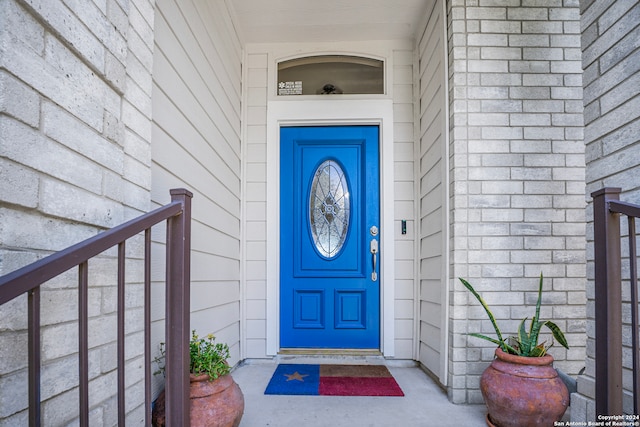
<point>333,380</point>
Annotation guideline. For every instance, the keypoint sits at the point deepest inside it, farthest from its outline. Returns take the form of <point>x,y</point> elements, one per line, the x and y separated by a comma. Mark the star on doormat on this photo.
<point>333,380</point>
<point>296,376</point>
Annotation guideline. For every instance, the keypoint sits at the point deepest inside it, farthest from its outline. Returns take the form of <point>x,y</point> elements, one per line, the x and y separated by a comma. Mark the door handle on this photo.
<point>373,247</point>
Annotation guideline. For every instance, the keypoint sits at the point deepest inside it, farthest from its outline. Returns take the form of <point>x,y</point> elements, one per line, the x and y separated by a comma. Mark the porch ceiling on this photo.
<point>268,21</point>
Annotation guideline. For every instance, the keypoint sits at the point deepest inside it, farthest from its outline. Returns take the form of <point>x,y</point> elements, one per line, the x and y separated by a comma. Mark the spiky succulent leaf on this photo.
<point>538,351</point>
<point>485,337</point>
<point>500,340</point>
<point>526,344</point>
<point>557,333</point>
<point>539,302</point>
<point>524,340</point>
<point>535,332</point>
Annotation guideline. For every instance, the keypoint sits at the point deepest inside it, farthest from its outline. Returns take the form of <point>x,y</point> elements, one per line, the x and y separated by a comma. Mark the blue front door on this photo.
<point>329,244</point>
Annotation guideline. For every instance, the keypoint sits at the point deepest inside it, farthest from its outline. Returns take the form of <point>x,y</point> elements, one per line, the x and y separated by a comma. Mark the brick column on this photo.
<point>611,63</point>
<point>517,162</point>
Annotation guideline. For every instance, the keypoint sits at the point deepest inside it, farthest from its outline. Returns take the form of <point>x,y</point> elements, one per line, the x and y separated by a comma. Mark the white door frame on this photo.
<point>331,112</point>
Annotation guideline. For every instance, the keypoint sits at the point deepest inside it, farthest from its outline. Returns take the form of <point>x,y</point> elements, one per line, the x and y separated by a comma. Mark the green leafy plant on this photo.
<point>206,356</point>
<point>526,343</point>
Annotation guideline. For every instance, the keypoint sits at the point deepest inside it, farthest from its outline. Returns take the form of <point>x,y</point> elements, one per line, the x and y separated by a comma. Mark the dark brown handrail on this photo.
<point>23,280</point>
<point>28,280</point>
<point>608,300</point>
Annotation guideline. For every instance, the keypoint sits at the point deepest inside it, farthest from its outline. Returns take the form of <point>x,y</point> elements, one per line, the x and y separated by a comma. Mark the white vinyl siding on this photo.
<point>404,209</point>
<point>255,202</point>
<point>196,145</point>
<point>431,166</point>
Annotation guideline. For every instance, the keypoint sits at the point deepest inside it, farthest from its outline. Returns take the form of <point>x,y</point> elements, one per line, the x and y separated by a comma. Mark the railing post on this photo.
<point>35,411</point>
<point>608,303</point>
<point>177,311</point>
<point>635,326</point>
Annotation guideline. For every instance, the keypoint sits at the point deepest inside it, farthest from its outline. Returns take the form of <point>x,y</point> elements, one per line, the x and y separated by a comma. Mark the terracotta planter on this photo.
<point>523,391</point>
<point>218,403</point>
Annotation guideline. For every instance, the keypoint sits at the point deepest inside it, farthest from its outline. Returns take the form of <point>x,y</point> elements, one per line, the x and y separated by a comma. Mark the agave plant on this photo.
<point>526,344</point>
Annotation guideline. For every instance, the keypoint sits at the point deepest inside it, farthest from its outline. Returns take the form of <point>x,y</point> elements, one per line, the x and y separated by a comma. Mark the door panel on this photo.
<point>329,296</point>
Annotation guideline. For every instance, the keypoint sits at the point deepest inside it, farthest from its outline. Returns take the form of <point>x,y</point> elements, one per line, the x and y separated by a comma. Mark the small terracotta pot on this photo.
<point>523,391</point>
<point>218,403</point>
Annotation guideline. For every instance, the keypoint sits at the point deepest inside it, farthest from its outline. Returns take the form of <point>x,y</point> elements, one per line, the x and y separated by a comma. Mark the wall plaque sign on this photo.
<point>290,88</point>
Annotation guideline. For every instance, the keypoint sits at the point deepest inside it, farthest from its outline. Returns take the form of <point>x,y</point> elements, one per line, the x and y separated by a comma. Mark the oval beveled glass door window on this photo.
<point>329,208</point>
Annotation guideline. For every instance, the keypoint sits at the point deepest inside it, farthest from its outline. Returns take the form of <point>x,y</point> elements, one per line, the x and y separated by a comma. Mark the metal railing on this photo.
<point>178,247</point>
<point>607,210</point>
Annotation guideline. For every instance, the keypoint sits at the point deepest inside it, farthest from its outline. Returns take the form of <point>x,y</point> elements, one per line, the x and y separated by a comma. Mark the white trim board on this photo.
<point>331,112</point>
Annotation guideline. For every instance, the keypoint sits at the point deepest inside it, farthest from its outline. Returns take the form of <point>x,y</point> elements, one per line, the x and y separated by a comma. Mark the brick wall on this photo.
<point>75,85</point>
<point>611,62</point>
<point>517,176</point>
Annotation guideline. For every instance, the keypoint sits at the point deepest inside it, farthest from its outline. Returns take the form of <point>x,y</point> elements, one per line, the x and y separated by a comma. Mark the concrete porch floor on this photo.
<point>424,403</point>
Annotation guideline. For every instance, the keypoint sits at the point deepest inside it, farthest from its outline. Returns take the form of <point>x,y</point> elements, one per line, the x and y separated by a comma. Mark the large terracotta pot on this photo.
<point>523,391</point>
<point>218,403</point>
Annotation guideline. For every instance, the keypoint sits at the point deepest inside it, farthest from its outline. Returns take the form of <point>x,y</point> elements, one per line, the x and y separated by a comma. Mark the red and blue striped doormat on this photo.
<point>333,380</point>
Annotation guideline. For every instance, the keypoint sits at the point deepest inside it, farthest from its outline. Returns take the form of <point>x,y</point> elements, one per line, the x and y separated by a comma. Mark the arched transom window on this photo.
<point>330,74</point>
